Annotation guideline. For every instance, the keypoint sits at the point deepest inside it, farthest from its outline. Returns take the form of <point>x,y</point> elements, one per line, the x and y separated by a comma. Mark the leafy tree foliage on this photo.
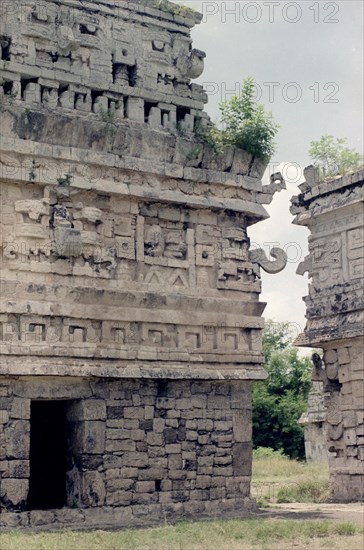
<point>333,158</point>
<point>246,125</point>
<point>279,401</point>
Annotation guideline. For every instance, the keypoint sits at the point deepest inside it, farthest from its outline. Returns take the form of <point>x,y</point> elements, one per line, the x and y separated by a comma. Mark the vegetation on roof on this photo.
<point>175,9</point>
<point>332,157</point>
<point>245,124</point>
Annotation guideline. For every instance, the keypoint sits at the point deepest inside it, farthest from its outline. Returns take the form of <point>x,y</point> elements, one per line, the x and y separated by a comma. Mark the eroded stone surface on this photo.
<point>314,424</point>
<point>333,211</point>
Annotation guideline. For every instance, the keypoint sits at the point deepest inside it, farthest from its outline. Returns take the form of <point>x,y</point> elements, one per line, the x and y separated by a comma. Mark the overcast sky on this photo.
<point>307,59</point>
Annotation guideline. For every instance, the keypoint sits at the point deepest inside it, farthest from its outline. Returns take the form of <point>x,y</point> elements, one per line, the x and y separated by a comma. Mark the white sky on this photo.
<point>307,58</point>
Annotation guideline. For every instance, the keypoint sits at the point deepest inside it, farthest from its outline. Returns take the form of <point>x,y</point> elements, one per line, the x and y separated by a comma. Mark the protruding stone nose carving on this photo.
<point>66,39</point>
<point>192,66</point>
<point>305,266</point>
<point>259,257</point>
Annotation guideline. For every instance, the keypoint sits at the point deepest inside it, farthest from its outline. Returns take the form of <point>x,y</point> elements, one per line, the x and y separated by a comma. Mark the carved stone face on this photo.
<point>154,244</point>
<point>175,245</point>
<point>60,216</point>
<point>235,244</point>
<point>50,97</point>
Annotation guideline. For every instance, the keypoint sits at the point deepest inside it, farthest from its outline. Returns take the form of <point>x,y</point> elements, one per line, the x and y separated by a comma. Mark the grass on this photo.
<point>214,535</point>
<point>276,478</point>
<point>305,491</point>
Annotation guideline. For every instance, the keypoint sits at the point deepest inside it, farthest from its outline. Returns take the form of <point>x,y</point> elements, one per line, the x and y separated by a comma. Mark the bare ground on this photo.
<point>353,512</point>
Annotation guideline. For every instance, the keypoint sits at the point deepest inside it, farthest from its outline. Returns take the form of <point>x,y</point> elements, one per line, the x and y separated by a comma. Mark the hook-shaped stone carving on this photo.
<point>305,266</point>
<point>259,257</point>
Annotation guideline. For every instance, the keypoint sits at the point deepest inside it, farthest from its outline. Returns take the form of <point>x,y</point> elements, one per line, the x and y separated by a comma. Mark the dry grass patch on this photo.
<point>214,535</point>
<point>277,478</point>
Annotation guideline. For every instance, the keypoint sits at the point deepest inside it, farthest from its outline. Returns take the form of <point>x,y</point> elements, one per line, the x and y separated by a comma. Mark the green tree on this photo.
<point>246,125</point>
<point>279,401</point>
<point>333,158</point>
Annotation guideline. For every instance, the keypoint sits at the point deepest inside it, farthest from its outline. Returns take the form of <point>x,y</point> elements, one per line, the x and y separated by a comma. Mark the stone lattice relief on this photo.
<point>78,337</point>
<point>336,258</point>
<point>130,321</point>
<point>333,213</point>
<point>104,59</point>
<point>106,244</point>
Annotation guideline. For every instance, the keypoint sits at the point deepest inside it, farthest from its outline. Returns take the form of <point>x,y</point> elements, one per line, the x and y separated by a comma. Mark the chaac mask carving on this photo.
<point>68,242</point>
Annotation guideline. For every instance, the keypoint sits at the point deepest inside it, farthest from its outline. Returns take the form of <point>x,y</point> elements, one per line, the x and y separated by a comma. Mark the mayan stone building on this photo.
<point>130,321</point>
<point>333,212</point>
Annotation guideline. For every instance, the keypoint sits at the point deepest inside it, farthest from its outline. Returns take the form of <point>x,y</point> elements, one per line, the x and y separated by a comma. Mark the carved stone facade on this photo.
<point>314,424</point>
<point>333,211</point>
<point>130,315</point>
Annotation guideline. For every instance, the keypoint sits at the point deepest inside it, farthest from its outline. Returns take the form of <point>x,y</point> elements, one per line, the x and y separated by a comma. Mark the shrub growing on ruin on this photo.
<point>333,158</point>
<point>175,9</point>
<point>245,124</point>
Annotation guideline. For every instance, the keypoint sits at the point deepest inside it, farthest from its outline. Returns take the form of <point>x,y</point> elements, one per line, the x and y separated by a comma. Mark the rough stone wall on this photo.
<point>126,262</point>
<point>165,449</point>
<point>315,427</point>
<point>333,211</point>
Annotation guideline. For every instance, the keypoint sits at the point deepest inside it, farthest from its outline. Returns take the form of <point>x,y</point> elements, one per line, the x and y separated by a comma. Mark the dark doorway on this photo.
<point>47,486</point>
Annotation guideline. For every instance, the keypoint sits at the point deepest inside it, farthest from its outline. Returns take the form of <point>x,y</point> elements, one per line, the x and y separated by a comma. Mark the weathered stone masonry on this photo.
<point>160,447</point>
<point>130,317</point>
<point>315,426</point>
<point>333,211</point>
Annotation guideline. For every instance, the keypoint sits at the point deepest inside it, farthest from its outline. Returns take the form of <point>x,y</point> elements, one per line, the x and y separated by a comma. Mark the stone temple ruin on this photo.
<point>333,212</point>
<point>130,321</point>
